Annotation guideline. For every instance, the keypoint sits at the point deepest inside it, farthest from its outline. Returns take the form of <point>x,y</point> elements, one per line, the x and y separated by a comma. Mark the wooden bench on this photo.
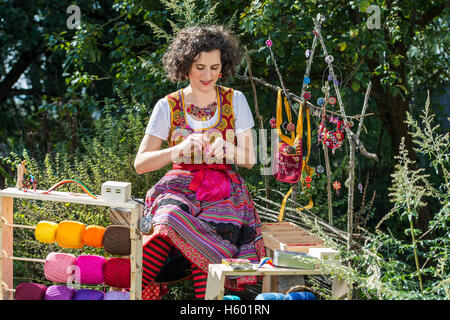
<point>218,272</point>
<point>281,236</point>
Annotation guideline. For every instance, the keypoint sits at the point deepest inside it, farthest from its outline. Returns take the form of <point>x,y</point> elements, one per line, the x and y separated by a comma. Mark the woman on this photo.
<point>201,210</point>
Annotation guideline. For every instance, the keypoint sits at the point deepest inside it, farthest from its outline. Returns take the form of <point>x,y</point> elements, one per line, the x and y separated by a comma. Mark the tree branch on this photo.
<point>432,13</point>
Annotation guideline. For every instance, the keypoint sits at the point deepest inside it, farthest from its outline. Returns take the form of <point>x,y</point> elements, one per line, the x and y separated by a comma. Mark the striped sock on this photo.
<point>154,255</point>
<point>200,278</point>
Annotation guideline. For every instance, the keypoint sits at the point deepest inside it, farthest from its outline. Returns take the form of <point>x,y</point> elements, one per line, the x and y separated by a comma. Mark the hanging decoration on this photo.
<point>332,139</point>
<point>337,186</point>
<point>273,122</point>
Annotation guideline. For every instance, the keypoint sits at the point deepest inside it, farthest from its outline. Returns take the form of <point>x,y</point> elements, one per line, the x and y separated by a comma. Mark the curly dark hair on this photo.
<point>188,44</point>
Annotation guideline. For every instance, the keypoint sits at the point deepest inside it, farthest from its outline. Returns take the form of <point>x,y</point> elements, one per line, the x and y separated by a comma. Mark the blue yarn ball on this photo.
<point>300,296</point>
<point>231,297</point>
<point>270,296</point>
<point>306,80</point>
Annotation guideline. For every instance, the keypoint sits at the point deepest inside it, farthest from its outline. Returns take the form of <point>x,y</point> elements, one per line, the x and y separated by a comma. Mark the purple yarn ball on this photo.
<point>59,292</point>
<point>117,295</point>
<point>88,294</point>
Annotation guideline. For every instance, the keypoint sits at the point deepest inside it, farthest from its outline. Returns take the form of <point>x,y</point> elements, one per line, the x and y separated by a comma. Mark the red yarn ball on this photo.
<point>116,272</point>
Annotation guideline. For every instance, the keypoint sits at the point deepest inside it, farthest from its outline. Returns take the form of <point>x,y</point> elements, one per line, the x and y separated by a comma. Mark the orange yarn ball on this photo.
<point>70,234</point>
<point>93,236</point>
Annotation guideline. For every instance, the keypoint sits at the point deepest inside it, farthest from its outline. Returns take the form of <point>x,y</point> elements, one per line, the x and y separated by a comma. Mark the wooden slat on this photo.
<point>6,247</point>
<point>136,254</point>
<point>80,198</point>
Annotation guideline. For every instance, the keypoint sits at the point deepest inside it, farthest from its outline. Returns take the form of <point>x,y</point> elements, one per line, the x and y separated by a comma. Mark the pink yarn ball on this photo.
<point>89,269</point>
<point>58,267</point>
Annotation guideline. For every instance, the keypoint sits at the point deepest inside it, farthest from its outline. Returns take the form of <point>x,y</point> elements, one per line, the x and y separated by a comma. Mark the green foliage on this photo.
<point>388,267</point>
<point>70,124</point>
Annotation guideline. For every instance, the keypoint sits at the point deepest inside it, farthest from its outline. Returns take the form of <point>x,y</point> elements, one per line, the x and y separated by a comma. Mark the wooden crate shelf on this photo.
<point>7,197</point>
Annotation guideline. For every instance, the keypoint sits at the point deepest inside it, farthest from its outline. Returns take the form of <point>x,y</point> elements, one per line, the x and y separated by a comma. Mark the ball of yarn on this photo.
<point>117,295</point>
<point>93,236</point>
<point>231,297</point>
<point>70,234</point>
<point>117,240</point>
<point>30,291</point>
<point>59,292</point>
<point>58,266</point>
<point>88,294</point>
<point>116,272</point>
<point>46,231</point>
<point>89,269</point>
<point>300,296</point>
<point>270,296</point>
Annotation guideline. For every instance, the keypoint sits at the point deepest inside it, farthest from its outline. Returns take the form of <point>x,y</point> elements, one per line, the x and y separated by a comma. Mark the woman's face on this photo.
<point>205,70</point>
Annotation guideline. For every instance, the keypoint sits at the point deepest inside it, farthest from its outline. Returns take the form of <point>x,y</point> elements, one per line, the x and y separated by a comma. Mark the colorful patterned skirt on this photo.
<point>205,232</point>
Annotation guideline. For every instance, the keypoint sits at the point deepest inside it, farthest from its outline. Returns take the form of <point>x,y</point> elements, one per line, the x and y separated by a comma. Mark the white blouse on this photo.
<point>159,123</point>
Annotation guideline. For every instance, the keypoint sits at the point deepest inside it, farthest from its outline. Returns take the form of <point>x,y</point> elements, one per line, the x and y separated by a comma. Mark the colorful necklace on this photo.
<point>205,113</point>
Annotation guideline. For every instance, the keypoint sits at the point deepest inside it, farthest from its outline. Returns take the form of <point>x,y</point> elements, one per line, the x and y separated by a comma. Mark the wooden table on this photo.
<point>218,272</point>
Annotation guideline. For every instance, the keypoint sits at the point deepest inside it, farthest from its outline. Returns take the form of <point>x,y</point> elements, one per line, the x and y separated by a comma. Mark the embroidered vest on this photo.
<point>223,126</point>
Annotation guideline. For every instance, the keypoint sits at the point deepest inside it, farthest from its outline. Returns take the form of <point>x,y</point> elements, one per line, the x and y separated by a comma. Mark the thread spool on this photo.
<point>93,236</point>
<point>58,266</point>
<point>46,231</point>
<point>231,297</point>
<point>117,240</point>
<point>70,234</point>
<point>117,295</point>
<point>116,272</point>
<point>300,296</point>
<point>89,269</point>
<point>88,294</point>
<point>59,292</point>
<point>30,291</point>
<point>270,296</point>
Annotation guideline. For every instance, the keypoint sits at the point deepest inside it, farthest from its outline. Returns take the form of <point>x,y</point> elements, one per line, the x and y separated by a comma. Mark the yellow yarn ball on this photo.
<point>70,234</point>
<point>46,231</point>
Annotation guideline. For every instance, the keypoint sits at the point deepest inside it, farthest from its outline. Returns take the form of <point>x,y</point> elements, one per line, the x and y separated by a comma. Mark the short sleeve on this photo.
<point>242,114</point>
<point>159,123</point>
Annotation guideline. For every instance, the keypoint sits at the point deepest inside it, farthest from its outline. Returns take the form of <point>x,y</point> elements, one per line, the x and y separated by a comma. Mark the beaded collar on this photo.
<point>205,113</point>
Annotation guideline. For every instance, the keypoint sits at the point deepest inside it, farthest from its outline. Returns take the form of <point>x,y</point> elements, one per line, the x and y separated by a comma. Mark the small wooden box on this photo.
<point>328,255</point>
<point>290,237</point>
<point>113,191</point>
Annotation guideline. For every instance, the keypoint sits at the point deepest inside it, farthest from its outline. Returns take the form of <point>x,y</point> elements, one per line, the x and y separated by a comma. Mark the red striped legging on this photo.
<point>154,256</point>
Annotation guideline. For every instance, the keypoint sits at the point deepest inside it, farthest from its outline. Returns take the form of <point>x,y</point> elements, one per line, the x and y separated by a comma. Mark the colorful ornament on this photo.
<point>337,186</point>
<point>319,169</point>
<point>306,80</point>
<point>331,139</point>
<point>29,182</point>
<point>330,77</point>
<point>360,187</point>
<point>332,101</point>
<point>307,53</point>
<point>307,95</point>
<point>269,43</point>
<point>273,122</point>
<point>308,179</point>
<point>329,59</point>
<point>320,102</point>
<point>336,82</point>
<point>290,127</point>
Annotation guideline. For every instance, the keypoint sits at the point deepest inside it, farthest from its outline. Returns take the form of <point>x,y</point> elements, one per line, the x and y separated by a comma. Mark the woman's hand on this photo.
<point>218,151</point>
<point>192,145</point>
